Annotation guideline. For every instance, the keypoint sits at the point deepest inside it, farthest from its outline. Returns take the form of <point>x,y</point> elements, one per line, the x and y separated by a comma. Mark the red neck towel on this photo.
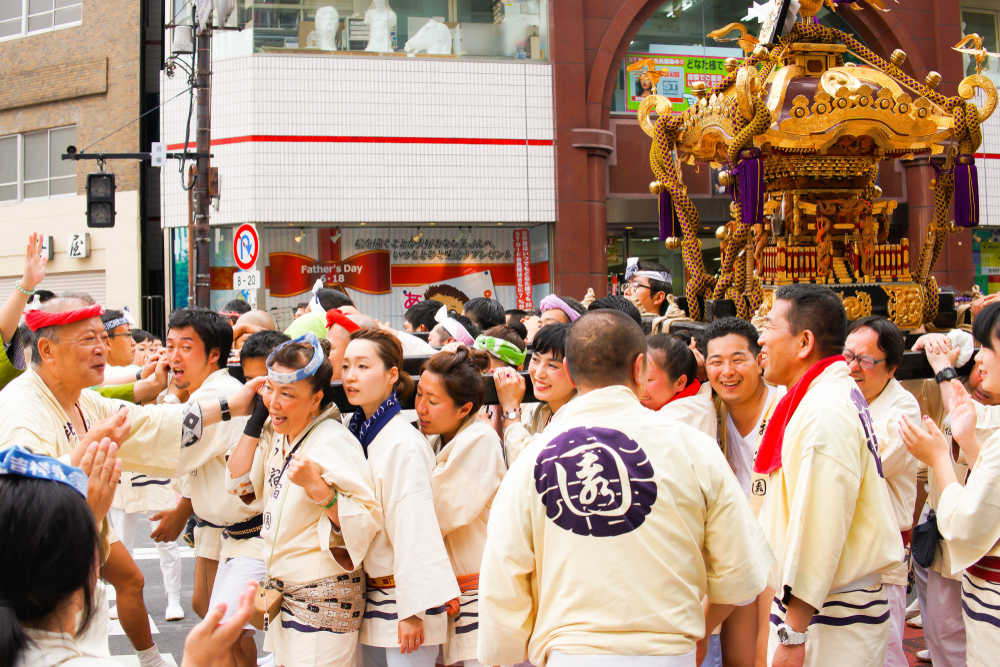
<point>769,454</point>
<point>687,391</point>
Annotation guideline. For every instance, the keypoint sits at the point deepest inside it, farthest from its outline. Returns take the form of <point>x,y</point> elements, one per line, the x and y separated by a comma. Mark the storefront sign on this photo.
<point>675,84</point>
<point>453,292</point>
<point>292,274</point>
<point>522,268</point>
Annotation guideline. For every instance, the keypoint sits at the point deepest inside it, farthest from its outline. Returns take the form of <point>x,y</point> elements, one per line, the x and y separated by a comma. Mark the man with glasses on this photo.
<point>827,513</point>
<point>649,283</point>
<point>874,350</point>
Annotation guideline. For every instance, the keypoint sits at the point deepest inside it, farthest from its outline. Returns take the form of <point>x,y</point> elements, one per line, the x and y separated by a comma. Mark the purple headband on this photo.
<point>552,302</point>
<point>454,327</point>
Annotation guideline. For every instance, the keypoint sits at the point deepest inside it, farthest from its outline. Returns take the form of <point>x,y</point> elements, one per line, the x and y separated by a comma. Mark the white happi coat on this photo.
<point>607,534</point>
<point>207,483</point>
<point>31,417</point>
<point>898,465</point>
<point>697,411</point>
<point>409,546</point>
<point>467,473</point>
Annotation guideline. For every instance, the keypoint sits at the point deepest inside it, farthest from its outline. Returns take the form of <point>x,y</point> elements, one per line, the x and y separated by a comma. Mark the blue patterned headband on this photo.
<point>19,461</point>
<point>307,371</point>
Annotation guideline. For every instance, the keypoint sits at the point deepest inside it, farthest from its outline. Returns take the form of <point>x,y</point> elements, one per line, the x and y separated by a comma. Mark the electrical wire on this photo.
<point>187,129</point>
<point>137,119</point>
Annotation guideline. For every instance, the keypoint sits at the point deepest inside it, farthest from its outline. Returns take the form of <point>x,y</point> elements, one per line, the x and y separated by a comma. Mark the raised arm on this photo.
<point>34,272</point>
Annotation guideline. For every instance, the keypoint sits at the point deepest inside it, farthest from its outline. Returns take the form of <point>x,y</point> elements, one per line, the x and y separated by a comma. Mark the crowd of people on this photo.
<point>636,495</point>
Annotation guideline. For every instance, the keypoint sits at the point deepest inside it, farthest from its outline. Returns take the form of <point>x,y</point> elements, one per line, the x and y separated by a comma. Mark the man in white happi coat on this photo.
<point>873,351</point>
<point>827,513</point>
<point>51,410</point>
<point>611,527</point>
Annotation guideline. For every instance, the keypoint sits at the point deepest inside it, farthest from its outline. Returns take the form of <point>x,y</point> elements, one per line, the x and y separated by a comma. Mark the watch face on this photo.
<point>782,634</point>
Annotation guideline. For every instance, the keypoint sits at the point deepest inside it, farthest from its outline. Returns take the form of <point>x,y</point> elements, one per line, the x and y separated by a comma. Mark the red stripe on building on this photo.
<point>988,156</point>
<point>410,275</point>
<point>296,139</point>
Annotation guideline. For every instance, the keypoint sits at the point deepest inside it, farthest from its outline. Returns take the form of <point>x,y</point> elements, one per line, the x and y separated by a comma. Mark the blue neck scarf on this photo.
<point>365,430</point>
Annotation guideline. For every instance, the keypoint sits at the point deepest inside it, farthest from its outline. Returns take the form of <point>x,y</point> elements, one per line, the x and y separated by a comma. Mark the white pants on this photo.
<point>379,656</point>
<point>170,554</point>
<point>944,627</point>
<point>231,581</point>
<point>557,659</point>
<point>894,655</point>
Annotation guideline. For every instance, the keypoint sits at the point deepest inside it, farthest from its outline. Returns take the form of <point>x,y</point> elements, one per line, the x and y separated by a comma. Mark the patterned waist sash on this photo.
<point>988,569</point>
<point>244,530</point>
<point>335,603</point>
<point>468,583</point>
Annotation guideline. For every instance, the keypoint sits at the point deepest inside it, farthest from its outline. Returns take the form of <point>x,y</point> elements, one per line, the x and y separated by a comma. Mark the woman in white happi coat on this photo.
<point>549,382</point>
<point>969,517</point>
<point>52,510</point>
<point>409,577</point>
<point>468,471</point>
<point>673,388</point>
<point>321,512</point>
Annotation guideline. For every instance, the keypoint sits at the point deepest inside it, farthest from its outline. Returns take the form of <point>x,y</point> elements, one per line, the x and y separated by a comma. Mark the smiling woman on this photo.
<point>321,512</point>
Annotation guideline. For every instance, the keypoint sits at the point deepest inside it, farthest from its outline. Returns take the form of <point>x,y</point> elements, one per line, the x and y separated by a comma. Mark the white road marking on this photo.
<point>115,628</point>
<point>151,553</point>
<point>133,660</point>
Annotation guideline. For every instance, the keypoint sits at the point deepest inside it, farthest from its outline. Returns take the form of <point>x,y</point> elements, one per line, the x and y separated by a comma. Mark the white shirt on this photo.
<point>742,450</point>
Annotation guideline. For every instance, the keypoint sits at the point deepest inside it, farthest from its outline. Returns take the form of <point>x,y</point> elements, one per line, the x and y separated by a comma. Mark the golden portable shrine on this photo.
<point>803,133</point>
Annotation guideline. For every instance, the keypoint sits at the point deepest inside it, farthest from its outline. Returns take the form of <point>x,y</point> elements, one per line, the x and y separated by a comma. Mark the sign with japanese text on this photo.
<point>522,268</point>
<point>675,84</point>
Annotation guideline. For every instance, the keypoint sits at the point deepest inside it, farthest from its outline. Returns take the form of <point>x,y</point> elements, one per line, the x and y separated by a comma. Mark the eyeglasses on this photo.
<point>632,286</point>
<point>864,361</point>
<point>119,335</point>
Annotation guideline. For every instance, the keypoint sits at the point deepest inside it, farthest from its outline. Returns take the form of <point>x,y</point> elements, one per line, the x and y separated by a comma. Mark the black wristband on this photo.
<point>946,375</point>
<point>224,405</point>
<point>138,375</point>
<point>256,422</point>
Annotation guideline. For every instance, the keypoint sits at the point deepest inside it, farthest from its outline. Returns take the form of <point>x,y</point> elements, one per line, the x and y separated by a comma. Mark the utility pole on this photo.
<point>200,228</point>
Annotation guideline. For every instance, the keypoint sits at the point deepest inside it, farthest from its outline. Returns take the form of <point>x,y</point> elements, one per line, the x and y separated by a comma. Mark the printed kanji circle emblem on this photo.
<point>595,481</point>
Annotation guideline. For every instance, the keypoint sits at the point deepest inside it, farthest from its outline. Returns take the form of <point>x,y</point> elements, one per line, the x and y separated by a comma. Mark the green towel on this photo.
<point>308,322</point>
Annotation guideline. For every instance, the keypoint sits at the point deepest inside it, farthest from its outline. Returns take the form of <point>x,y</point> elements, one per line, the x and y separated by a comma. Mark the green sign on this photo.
<point>675,83</point>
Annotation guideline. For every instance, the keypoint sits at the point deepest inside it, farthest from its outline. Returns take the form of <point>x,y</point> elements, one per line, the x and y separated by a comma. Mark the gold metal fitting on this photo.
<point>732,64</point>
<point>760,51</point>
<point>672,243</point>
<point>699,89</point>
<point>932,80</point>
<point>656,187</point>
<point>898,57</point>
<point>725,180</point>
<point>723,233</point>
<point>878,191</point>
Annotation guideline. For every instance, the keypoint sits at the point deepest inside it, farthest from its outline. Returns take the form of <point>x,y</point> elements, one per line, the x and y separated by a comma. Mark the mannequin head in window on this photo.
<point>643,86</point>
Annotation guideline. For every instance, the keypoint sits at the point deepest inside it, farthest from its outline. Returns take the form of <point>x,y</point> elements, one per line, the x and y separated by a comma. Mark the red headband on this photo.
<point>336,317</point>
<point>37,319</point>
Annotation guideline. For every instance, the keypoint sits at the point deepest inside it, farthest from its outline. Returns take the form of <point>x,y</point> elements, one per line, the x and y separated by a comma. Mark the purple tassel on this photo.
<point>751,184</point>
<point>668,217</point>
<point>966,191</point>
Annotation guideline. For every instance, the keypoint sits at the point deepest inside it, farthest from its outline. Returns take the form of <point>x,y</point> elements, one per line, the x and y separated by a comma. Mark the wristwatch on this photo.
<point>946,375</point>
<point>224,405</point>
<point>513,415</point>
<point>789,637</point>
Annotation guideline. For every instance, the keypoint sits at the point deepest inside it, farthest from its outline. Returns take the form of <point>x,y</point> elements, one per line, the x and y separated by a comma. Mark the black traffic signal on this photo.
<point>100,200</point>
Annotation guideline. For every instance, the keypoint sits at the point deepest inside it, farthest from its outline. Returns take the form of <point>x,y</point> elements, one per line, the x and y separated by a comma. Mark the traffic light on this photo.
<point>101,200</point>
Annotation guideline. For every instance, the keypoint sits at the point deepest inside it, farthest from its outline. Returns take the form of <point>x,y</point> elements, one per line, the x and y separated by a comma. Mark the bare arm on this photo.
<point>34,272</point>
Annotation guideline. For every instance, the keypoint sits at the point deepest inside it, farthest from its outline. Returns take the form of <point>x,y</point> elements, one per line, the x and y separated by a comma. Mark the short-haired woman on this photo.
<point>550,383</point>
<point>321,513</point>
<point>468,471</point>
<point>410,579</point>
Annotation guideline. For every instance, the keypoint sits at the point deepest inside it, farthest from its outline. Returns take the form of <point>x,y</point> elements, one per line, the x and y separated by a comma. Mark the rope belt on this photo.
<point>244,530</point>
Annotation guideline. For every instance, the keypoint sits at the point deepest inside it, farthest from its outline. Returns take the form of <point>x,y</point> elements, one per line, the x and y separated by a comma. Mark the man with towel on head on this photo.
<point>827,513</point>
<point>649,283</point>
<point>613,525</point>
<point>560,310</point>
<point>51,410</point>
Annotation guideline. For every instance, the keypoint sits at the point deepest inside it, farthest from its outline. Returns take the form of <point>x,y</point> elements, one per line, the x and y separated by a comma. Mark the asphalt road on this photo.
<point>169,636</point>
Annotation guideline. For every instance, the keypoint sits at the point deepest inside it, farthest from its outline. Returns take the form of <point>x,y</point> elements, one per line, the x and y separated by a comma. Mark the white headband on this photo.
<point>307,371</point>
<point>632,271</point>
<point>454,327</point>
<point>314,301</point>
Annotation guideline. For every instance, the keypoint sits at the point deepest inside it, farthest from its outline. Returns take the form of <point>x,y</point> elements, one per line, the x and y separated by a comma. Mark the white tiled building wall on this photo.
<point>988,166</point>
<point>310,139</point>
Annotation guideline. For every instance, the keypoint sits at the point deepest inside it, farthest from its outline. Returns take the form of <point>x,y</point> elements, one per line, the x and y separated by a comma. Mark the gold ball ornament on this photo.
<point>725,180</point>
<point>656,187</point>
<point>723,233</point>
<point>877,190</point>
<point>933,80</point>
<point>672,243</point>
<point>732,64</point>
<point>699,89</point>
<point>898,57</point>
<point>760,51</point>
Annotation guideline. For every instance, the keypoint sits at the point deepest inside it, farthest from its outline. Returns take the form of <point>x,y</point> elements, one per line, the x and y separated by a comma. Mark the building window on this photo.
<point>26,17</point>
<point>983,22</point>
<point>31,165</point>
<point>470,28</point>
<point>675,37</point>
